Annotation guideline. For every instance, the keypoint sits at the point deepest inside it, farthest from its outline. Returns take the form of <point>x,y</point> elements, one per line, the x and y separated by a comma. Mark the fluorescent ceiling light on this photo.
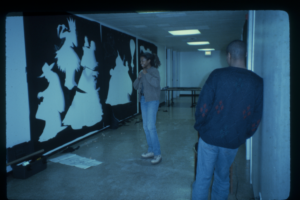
<point>198,43</point>
<point>185,32</point>
<point>207,53</point>
<point>206,49</point>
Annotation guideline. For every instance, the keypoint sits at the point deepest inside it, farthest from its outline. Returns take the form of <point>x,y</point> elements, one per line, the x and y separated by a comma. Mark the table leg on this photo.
<point>192,98</point>
<point>166,101</point>
<point>172,98</point>
<point>168,98</point>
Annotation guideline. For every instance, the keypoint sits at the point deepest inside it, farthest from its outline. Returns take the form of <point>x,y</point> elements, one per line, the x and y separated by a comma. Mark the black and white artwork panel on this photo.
<point>63,56</point>
<point>119,58</point>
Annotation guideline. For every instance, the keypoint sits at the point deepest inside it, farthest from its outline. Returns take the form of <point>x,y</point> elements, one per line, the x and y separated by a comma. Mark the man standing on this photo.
<point>228,112</point>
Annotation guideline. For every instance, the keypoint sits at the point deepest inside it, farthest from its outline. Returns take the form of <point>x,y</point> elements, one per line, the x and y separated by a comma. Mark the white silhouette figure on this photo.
<point>142,49</point>
<point>67,59</point>
<point>132,50</point>
<point>86,109</point>
<point>52,105</point>
<point>120,84</point>
<point>129,90</point>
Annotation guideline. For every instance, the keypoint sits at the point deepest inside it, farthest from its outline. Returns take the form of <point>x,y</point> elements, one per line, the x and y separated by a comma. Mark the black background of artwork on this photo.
<point>40,41</point>
<point>115,42</point>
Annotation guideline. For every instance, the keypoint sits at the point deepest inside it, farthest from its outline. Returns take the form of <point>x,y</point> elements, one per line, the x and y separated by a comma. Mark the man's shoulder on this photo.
<point>220,74</point>
<point>227,69</point>
<point>254,76</point>
<point>219,71</point>
<point>230,69</point>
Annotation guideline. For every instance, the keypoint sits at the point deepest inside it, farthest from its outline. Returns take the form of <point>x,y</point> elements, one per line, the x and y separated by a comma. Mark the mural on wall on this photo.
<point>67,59</point>
<point>86,101</point>
<point>119,93</point>
<point>132,52</point>
<point>64,75</point>
<point>79,76</point>
<point>143,50</point>
<point>120,63</point>
<point>53,104</point>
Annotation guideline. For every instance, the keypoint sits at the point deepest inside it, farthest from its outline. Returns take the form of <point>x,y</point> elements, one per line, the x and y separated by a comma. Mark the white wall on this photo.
<point>161,53</point>
<point>175,72</point>
<point>271,142</point>
<point>178,73</point>
<point>195,67</point>
<point>17,103</point>
<point>169,67</point>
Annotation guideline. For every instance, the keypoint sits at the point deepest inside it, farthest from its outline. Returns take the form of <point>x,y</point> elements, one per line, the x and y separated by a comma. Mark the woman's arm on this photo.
<point>205,103</point>
<point>153,78</point>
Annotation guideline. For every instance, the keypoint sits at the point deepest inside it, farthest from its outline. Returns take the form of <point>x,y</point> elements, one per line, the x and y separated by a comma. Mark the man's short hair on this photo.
<point>237,50</point>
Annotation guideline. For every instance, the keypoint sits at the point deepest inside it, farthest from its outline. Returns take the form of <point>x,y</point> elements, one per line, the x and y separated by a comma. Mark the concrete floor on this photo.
<point>123,173</point>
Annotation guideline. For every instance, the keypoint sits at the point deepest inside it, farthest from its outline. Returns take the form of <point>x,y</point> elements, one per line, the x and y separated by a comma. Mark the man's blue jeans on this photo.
<point>212,160</point>
<point>149,111</point>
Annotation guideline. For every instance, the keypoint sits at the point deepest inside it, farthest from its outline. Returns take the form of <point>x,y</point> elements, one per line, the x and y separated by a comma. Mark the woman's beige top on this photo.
<point>151,84</point>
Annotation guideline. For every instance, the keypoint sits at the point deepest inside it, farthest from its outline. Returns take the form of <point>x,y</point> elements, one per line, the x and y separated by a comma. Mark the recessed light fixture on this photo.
<point>207,53</point>
<point>206,49</point>
<point>185,32</point>
<point>198,43</point>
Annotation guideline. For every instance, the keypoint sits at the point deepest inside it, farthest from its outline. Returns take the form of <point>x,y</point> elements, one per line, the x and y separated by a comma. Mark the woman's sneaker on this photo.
<point>148,155</point>
<point>156,159</point>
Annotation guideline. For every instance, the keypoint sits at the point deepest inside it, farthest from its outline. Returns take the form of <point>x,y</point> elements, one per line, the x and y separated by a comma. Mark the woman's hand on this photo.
<point>140,75</point>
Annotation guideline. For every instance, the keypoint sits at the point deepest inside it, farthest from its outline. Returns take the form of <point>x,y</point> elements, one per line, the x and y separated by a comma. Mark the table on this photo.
<point>192,89</point>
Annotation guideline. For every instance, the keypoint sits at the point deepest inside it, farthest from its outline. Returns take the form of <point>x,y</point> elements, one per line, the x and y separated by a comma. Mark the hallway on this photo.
<point>123,174</point>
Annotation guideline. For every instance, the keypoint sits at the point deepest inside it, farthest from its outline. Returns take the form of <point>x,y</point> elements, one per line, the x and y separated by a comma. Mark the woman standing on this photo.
<point>148,86</point>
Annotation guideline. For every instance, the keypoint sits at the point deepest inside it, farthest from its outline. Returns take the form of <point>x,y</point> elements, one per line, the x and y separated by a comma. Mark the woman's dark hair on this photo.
<point>153,57</point>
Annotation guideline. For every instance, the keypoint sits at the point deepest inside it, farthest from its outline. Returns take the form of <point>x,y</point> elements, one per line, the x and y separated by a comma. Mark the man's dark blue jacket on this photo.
<point>230,107</point>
